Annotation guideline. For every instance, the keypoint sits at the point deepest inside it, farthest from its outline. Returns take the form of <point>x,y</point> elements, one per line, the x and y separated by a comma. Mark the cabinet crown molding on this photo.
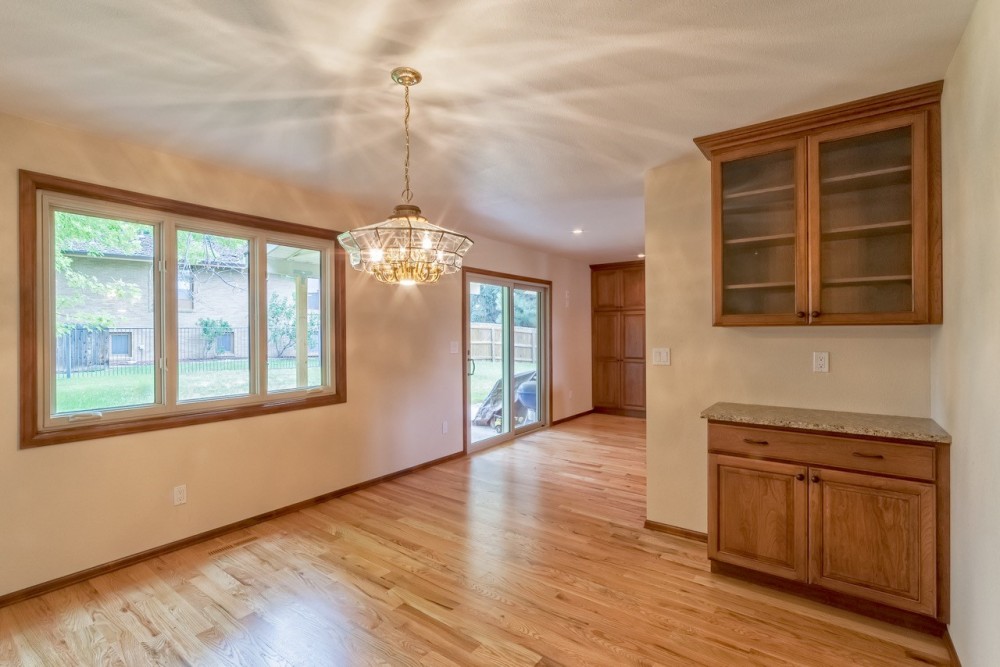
<point>799,124</point>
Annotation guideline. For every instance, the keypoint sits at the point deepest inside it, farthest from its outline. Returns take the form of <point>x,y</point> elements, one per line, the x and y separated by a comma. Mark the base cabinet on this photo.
<point>862,534</point>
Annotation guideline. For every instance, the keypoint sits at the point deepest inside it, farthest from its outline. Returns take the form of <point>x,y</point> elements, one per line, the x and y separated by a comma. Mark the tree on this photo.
<point>281,325</point>
<point>487,306</point>
<point>212,330</point>
<point>95,237</point>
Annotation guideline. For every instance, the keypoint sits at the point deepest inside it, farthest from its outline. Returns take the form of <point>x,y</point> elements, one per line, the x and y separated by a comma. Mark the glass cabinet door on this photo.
<point>868,227</point>
<point>760,235</point>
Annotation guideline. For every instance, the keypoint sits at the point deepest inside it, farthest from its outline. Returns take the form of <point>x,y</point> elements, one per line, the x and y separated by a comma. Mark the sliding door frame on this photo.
<point>544,348</point>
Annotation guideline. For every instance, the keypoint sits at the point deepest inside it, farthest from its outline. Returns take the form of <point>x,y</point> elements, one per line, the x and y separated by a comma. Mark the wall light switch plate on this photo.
<point>661,356</point>
<point>821,362</point>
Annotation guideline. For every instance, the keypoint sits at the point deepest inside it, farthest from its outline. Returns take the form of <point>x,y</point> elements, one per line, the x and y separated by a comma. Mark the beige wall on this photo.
<point>966,350</point>
<point>69,507</point>
<point>872,369</point>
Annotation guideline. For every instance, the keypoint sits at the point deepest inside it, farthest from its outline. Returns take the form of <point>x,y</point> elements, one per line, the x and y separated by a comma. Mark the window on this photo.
<point>121,343</point>
<point>109,351</point>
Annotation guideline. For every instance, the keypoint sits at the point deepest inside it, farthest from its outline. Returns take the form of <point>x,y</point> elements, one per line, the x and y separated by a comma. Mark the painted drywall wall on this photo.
<point>69,507</point>
<point>872,369</point>
<point>966,351</point>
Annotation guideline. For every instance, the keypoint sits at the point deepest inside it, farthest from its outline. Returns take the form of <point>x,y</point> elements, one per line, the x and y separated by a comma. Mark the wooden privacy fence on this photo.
<point>486,342</point>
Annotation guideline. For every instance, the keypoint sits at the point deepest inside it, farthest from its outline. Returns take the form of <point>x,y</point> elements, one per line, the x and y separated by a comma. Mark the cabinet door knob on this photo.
<point>815,479</point>
<point>800,477</point>
<point>816,313</point>
<point>800,314</point>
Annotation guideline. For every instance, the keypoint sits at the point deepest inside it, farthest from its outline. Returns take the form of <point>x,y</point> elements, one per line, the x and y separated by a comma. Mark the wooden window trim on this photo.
<point>30,183</point>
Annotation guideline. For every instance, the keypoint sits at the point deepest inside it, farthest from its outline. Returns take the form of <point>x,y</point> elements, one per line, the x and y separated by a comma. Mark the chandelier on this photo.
<point>405,248</point>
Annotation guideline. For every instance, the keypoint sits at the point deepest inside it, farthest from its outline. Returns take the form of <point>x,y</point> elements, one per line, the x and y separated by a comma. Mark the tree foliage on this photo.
<point>212,330</point>
<point>282,325</point>
<point>487,307</point>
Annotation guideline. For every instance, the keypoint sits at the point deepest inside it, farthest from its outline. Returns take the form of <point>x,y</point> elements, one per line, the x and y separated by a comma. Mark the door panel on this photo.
<point>634,335</point>
<point>875,538</point>
<point>634,385</point>
<point>607,289</point>
<point>488,361</point>
<point>607,384</point>
<point>528,385</point>
<point>760,510</point>
<point>634,287</point>
<point>608,336</point>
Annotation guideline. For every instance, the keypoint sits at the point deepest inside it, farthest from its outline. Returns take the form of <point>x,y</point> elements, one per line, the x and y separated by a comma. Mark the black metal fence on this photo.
<point>127,350</point>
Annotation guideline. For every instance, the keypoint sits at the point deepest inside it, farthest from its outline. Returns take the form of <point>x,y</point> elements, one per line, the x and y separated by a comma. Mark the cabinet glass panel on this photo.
<point>866,223</point>
<point>758,234</point>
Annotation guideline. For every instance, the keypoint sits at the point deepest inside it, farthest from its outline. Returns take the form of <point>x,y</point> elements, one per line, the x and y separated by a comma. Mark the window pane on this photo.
<point>213,331</point>
<point>104,314</point>
<point>294,325</point>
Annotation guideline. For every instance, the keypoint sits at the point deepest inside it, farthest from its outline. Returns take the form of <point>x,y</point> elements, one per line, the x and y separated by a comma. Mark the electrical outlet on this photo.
<point>821,362</point>
<point>453,347</point>
<point>444,427</point>
<point>180,494</point>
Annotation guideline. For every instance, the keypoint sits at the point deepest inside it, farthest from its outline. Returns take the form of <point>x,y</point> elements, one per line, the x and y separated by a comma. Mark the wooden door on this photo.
<point>758,514</point>
<point>874,538</point>
<point>607,384</point>
<point>634,385</point>
<point>633,336</point>
<point>607,336</point>
<point>634,287</point>
<point>868,222</point>
<point>606,289</point>
<point>759,234</point>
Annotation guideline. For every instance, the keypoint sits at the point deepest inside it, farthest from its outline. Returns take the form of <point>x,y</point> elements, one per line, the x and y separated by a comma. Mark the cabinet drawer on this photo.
<point>887,458</point>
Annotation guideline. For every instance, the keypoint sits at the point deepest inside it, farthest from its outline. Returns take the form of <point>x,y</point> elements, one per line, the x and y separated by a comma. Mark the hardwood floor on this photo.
<point>532,553</point>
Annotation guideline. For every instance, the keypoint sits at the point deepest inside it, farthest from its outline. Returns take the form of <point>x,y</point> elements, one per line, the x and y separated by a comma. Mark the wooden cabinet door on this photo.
<point>758,514</point>
<point>607,384</point>
<point>606,289</point>
<point>874,538</point>
<point>633,336</point>
<point>634,385</point>
<point>607,336</point>
<point>634,287</point>
<point>759,234</point>
<point>868,222</point>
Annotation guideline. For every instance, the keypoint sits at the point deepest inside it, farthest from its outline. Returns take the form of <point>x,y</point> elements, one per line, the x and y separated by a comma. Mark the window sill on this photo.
<point>42,438</point>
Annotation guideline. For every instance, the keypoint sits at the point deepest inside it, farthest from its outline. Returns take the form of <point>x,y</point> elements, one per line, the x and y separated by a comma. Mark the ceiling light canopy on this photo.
<point>405,248</point>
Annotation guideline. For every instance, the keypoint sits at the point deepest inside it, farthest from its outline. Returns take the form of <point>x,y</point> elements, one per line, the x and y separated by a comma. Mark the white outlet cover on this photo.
<point>821,362</point>
<point>453,347</point>
<point>180,494</point>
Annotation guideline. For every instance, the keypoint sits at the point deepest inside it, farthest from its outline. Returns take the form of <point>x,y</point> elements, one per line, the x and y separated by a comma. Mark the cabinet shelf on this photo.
<point>769,240</point>
<point>773,285</point>
<point>760,191</point>
<point>866,280</point>
<point>863,180</point>
<point>860,231</point>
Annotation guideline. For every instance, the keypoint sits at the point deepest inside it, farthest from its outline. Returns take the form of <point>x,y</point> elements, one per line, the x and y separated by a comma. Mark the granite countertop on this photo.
<point>830,421</point>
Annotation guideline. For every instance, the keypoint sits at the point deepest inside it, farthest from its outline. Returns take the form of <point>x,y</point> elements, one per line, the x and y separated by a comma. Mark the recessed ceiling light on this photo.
<point>641,255</point>
<point>578,231</point>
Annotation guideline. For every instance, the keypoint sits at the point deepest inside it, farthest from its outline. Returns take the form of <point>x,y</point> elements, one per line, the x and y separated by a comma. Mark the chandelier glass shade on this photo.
<point>405,248</point>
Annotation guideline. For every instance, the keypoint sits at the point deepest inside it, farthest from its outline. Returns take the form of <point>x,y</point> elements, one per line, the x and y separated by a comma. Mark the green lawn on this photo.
<point>134,385</point>
<point>487,373</point>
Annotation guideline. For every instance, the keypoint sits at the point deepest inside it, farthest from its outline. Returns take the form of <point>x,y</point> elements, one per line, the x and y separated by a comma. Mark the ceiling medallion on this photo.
<point>405,249</point>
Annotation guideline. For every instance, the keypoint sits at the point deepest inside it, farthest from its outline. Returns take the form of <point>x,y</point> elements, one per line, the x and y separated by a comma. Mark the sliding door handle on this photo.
<point>472,366</point>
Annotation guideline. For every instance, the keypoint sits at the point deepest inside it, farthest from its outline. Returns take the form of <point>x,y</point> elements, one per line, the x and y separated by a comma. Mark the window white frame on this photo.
<point>41,425</point>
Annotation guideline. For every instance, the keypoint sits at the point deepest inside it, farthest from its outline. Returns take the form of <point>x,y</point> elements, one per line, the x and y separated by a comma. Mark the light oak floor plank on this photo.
<point>531,553</point>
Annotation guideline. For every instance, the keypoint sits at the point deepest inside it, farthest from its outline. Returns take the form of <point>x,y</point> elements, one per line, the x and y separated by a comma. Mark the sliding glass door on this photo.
<point>506,358</point>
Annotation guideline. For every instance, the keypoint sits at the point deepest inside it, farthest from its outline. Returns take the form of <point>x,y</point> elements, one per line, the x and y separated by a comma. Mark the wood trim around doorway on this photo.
<point>465,340</point>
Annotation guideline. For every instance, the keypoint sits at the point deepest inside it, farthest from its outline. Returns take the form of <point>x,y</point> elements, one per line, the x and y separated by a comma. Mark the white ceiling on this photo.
<point>534,117</point>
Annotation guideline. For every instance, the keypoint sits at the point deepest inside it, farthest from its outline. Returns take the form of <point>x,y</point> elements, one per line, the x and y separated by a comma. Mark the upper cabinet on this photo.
<point>830,217</point>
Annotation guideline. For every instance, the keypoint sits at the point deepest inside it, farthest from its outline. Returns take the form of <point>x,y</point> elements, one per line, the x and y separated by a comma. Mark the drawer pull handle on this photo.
<point>861,455</point>
<point>751,441</point>
<point>800,477</point>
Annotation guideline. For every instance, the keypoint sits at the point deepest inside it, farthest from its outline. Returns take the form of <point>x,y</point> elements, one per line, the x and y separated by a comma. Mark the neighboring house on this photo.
<point>124,306</point>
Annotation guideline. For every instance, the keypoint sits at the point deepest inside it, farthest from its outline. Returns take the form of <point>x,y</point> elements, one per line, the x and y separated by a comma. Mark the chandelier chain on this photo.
<point>407,194</point>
